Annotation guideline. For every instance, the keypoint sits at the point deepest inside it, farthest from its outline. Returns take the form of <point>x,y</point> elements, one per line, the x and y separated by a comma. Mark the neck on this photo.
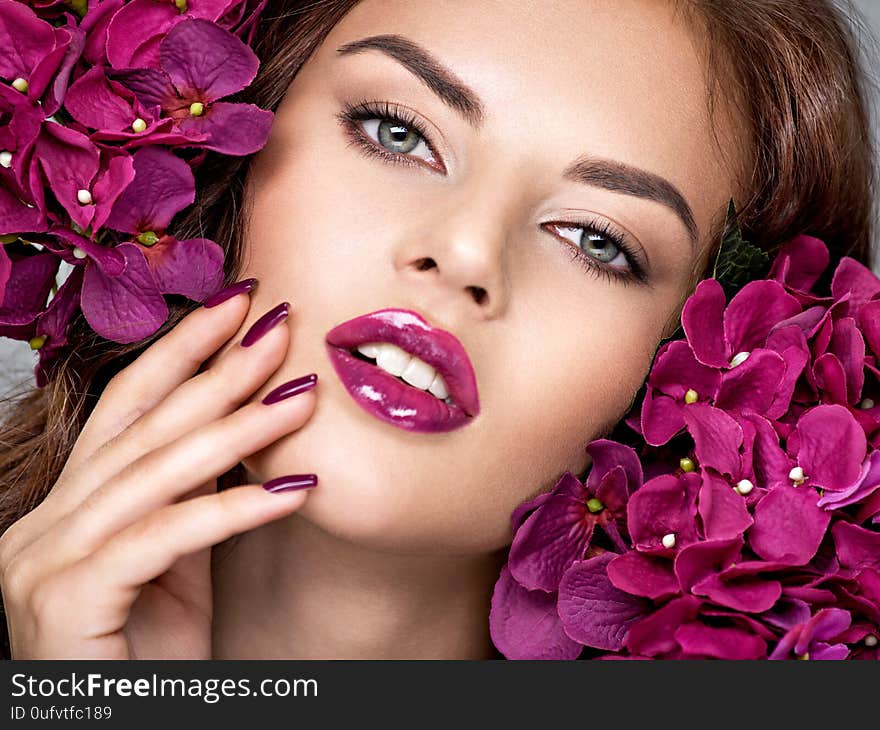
<point>289,590</point>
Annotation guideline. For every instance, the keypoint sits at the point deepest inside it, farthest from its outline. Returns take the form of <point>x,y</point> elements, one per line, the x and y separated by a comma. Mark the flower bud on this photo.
<point>690,396</point>
<point>669,541</point>
<point>181,5</point>
<point>37,342</point>
<point>6,159</point>
<point>20,84</point>
<point>594,505</point>
<point>739,358</point>
<point>78,253</point>
<point>84,197</point>
<point>686,464</point>
<point>743,487</point>
<point>148,238</point>
<point>797,475</point>
<point>138,125</point>
<point>196,109</point>
<point>865,405</point>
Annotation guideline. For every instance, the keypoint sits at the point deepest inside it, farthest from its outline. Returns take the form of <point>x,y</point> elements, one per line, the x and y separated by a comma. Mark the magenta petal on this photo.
<point>114,177</point>
<point>124,308</point>
<point>869,321</point>
<point>796,357</point>
<point>17,217</point>
<point>231,129</point>
<point>867,483</point>
<point>717,437</point>
<point>856,546</point>
<point>192,268</point>
<point>163,186</point>
<point>702,319</point>
<point>134,32</point>
<point>99,103</point>
<point>749,596</point>
<point>70,162</point>
<point>202,59</point>
<point>664,505</point>
<point>676,370</point>
<point>594,612</point>
<point>152,87</point>
<point>524,624</point>
<point>28,282</point>
<point>719,643</point>
<point>848,345</point>
<point>722,509</point>
<point>27,39</point>
<point>661,417</point>
<point>832,446</point>
<point>789,525</point>
<point>643,575</point>
<point>5,271</point>
<point>702,559</point>
<point>770,463</point>
<point>605,455</point>
<point>655,634</point>
<point>753,312</point>
<point>855,278</point>
<point>752,385</point>
<point>549,541</point>
<point>806,258</point>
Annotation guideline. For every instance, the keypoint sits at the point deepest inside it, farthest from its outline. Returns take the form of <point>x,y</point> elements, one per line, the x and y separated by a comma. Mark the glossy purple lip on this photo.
<point>390,398</point>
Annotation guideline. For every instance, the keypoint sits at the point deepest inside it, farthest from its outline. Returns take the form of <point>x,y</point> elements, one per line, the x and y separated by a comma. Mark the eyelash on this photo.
<point>352,114</point>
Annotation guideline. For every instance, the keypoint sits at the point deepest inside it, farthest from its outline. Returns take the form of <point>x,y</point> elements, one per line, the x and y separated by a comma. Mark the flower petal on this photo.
<point>789,526</point>
<point>524,624</point>
<point>702,559</point>
<point>800,262</point>
<point>661,417</point>
<point>206,61</point>
<point>124,308</point>
<point>717,438</point>
<point>753,312</point>
<point>231,129</point>
<point>753,384</point>
<point>594,612</point>
<point>702,318</point>
<point>853,277</point>
<point>749,596</point>
<point>643,575</point>
<point>664,505</point>
<point>856,546</point>
<point>721,508</point>
<point>163,186</point>
<point>605,455</point>
<point>655,634</point>
<point>699,640</point>
<point>832,446</point>
<point>549,541</point>
<point>192,268</point>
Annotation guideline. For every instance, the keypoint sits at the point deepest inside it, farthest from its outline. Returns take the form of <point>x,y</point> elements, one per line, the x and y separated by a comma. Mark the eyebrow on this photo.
<point>607,174</point>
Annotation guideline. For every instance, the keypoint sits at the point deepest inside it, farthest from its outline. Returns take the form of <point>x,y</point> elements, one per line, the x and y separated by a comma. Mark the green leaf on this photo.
<point>738,262</point>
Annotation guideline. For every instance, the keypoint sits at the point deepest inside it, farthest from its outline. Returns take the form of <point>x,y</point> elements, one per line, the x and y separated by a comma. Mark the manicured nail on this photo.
<point>239,287</point>
<point>289,483</point>
<point>291,388</point>
<point>265,323</point>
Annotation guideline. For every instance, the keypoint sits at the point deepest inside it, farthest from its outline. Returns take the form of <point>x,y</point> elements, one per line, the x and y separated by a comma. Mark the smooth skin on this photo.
<point>115,562</point>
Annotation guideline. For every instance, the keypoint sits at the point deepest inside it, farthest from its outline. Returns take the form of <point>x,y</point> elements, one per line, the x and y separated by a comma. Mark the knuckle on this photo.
<point>18,578</point>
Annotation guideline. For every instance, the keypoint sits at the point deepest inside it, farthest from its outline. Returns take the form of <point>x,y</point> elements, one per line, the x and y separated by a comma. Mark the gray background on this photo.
<point>16,358</point>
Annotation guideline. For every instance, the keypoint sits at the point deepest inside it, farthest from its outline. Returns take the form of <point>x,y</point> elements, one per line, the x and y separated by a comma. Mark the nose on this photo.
<point>457,257</point>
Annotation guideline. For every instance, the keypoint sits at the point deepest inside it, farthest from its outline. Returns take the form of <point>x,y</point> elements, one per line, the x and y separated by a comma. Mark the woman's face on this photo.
<point>576,121</point>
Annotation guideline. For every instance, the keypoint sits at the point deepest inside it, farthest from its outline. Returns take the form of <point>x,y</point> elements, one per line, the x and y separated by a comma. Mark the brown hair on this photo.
<point>790,70</point>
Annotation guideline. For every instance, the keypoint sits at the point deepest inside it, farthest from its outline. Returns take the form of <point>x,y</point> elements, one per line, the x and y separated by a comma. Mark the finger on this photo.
<point>167,474</point>
<point>163,366</point>
<point>145,550</point>
<point>235,376</point>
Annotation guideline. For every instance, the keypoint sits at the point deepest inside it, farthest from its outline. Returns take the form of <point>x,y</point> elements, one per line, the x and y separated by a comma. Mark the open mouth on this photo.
<point>354,352</point>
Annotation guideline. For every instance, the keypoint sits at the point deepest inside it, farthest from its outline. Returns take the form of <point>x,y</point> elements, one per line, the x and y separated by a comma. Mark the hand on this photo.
<point>115,562</point>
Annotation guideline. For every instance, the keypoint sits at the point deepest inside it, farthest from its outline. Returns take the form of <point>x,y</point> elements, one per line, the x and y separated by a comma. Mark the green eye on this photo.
<point>397,137</point>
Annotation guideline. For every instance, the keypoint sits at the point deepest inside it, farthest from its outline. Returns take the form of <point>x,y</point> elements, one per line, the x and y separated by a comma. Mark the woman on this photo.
<point>542,190</point>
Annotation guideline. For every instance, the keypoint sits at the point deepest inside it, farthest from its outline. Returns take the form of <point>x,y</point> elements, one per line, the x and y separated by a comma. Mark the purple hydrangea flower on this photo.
<point>199,64</point>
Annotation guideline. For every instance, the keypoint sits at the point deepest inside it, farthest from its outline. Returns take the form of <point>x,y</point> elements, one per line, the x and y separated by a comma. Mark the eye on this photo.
<point>389,131</point>
<point>601,249</point>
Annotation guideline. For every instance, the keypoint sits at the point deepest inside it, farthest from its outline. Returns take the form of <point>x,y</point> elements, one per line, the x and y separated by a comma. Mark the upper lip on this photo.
<point>409,331</point>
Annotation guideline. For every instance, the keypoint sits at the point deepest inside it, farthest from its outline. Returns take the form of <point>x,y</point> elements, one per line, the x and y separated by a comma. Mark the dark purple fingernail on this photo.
<point>239,287</point>
<point>291,388</point>
<point>265,323</point>
<point>291,482</point>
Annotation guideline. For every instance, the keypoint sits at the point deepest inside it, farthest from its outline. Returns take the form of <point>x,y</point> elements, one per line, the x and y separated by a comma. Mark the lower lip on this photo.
<point>389,399</point>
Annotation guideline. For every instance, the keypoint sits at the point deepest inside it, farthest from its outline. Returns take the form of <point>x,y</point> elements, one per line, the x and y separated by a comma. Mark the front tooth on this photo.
<point>418,374</point>
<point>438,387</point>
<point>370,349</point>
<point>393,359</point>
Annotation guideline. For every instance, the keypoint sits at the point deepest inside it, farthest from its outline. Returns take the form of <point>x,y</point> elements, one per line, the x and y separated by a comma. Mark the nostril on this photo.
<point>425,264</point>
<point>479,293</point>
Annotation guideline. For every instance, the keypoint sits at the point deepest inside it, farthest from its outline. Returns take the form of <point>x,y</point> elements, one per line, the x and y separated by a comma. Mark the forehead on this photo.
<point>619,79</point>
